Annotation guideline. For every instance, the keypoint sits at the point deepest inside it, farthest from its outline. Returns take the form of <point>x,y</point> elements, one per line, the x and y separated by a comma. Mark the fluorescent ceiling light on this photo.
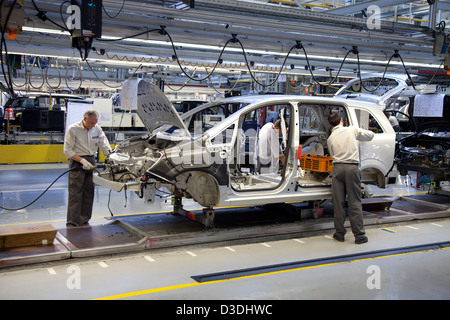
<point>229,49</point>
<point>45,30</point>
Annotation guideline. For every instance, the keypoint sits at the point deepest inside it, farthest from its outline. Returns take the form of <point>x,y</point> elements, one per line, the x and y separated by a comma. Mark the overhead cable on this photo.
<point>6,74</point>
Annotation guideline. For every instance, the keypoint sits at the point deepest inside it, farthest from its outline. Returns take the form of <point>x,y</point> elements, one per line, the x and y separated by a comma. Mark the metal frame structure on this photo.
<point>266,29</point>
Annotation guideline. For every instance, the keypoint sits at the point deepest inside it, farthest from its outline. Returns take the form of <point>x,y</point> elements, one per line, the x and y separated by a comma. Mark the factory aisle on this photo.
<point>167,274</point>
<point>21,184</point>
<point>272,270</point>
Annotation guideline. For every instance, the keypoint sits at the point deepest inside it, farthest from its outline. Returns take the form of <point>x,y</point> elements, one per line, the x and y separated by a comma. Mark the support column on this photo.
<point>206,218</point>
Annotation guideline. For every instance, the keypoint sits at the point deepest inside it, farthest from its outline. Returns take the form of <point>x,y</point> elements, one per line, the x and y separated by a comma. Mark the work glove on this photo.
<point>86,164</point>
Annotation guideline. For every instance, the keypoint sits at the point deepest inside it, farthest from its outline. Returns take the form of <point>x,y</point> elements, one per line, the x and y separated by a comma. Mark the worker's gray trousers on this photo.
<point>346,183</point>
<point>81,193</point>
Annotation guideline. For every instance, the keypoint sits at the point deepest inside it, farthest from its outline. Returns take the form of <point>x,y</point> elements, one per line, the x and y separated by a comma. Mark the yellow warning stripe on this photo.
<point>194,284</point>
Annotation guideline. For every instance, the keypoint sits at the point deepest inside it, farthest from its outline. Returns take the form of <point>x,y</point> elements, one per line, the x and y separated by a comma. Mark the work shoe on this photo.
<point>362,239</point>
<point>338,237</point>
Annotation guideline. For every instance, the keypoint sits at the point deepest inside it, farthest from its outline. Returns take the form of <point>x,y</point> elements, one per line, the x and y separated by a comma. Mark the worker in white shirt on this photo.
<point>269,151</point>
<point>81,141</point>
<point>343,147</point>
<point>393,121</point>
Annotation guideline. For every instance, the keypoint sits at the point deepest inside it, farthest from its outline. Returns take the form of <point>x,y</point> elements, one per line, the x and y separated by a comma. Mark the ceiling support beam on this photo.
<point>358,7</point>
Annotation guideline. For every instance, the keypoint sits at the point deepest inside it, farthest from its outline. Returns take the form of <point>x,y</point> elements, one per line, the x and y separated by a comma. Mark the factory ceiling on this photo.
<point>210,41</point>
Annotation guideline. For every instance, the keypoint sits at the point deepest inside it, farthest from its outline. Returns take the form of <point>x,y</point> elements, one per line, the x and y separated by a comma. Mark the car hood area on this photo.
<point>143,164</point>
<point>152,106</point>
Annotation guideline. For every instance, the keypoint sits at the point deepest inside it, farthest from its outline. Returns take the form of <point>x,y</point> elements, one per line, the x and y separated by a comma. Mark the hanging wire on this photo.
<point>165,82</point>
<point>435,73</point>
<point>46,74</point>
<point>406,70</point>
<point>6,74</point>
<point>394,55</point>
<point>179,64</point>
<point>247,65</point>
<point>61,14</point>
<point>233,39</point>
<point>99,79</point>
<point>67,71</point>
<point>43,17</point>
<point>31,37</point>
<point>299,89</point>
<point>25,77</point>
<point>114,16</point>
<point>31,72</point>
<point>332,80</point>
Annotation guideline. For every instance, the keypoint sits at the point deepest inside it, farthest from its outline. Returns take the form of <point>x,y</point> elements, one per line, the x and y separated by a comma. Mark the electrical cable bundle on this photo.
<point>6,73</point>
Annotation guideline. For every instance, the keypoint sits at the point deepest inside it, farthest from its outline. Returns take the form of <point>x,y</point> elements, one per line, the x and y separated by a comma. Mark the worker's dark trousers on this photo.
<point>81,193</point>
<point>346,182</point>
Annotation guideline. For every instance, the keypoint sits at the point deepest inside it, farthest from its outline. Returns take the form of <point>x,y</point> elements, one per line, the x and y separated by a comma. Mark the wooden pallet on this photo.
<point>26,236</point>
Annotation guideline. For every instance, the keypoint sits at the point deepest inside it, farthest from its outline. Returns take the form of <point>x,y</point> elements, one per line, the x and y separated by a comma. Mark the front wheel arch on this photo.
<point>201,186</point>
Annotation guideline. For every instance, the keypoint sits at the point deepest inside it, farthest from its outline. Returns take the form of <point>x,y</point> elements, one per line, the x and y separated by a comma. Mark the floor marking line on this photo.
<point>102,264</point>
<point>298,240</point>
<point>148,258</point>
<point>312,263</point>
<point>191,253</point>
<point>411,227</point>
<point>265,245</point>
<point>194,284</point>
<point>51,271</point>
<point>230,248</point>
<point>389,230</point>
<point>33,190</point>
<point>437,224</point>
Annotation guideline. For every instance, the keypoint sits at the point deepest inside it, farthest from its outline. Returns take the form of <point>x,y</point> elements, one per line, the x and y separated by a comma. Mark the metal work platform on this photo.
<point>167,230</point>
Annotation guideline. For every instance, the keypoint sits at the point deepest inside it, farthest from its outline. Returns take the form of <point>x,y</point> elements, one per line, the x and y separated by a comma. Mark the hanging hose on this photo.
<point>72,169</point>
<point>9,209</point>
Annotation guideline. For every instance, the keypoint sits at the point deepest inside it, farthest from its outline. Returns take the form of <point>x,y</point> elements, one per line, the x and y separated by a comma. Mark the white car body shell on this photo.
<point>380,99</point>
<point>377,156</point>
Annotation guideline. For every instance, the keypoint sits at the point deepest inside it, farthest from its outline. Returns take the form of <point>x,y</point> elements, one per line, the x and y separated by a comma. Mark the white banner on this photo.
<point>429,105</point>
